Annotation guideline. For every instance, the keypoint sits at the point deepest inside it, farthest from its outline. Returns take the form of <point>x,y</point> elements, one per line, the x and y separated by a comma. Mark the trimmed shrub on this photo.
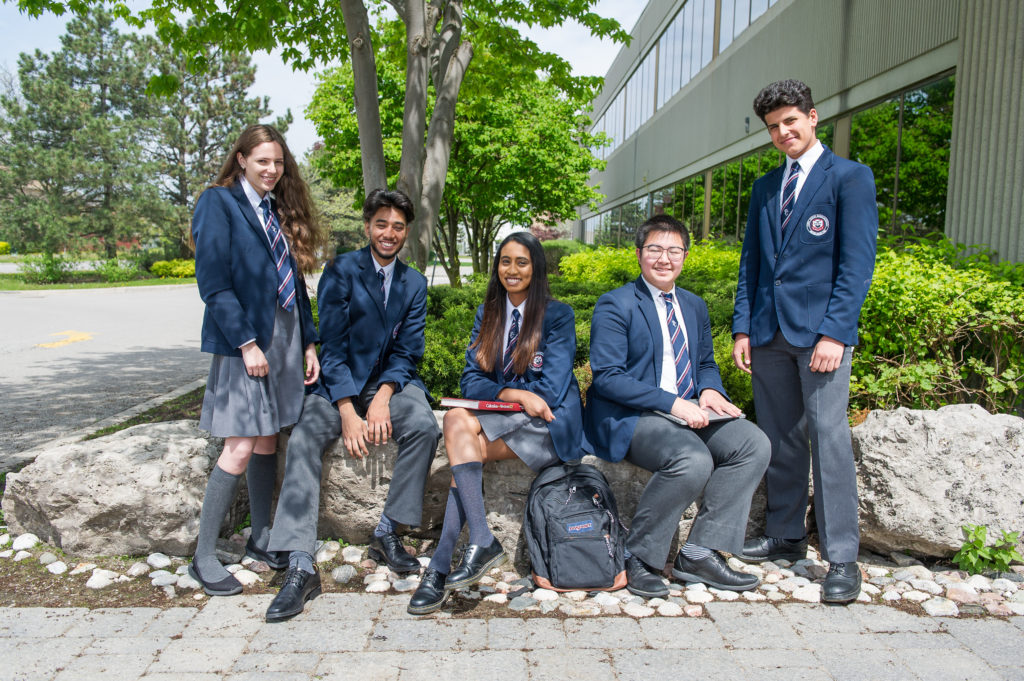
<point>602,269</point>
<point>556,249</point>
<point>5,248</point>
<point>47,268</point>
<point>114,271</point>
<point>174,269</point>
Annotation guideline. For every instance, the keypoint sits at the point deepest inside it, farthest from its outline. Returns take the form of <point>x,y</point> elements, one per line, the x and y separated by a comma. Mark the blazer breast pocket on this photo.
<point>818,226</point>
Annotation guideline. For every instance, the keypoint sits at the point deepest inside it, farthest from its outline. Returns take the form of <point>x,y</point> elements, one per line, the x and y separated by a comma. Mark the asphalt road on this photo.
<point>69,358</point>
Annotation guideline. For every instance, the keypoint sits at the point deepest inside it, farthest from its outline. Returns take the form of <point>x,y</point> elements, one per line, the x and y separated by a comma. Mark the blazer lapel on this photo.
<point>250,216</point>
<point>368,275</point>
<point>650,315</point>
<point>395,309</point>
<point>812,184</point>
<point>773,208</point>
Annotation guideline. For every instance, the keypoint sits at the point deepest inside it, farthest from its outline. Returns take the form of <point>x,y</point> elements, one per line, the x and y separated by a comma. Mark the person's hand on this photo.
<point>254,360</point>
<point>741,352</point>
<point>378,415</point>
<point>532,403</point>
<point>827,355</point>
<point>312,365</point>
<point>689,412</point>
<point>716,402</point>
<point>353,430</point>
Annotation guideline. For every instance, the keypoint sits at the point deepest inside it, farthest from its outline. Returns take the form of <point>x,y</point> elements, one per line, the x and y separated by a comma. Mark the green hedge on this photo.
<point>175,269</point>
<point>556,249</point>
<point>5,248</point>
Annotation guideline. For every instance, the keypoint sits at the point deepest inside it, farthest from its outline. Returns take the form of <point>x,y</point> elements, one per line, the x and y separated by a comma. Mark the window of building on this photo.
<point>736,16</point>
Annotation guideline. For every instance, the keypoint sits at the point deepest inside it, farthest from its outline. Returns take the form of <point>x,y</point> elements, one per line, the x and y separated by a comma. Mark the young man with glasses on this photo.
<point>652,357</point>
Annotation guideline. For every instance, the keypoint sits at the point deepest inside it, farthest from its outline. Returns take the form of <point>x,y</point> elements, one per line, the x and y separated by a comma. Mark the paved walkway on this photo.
<point>367,636</point>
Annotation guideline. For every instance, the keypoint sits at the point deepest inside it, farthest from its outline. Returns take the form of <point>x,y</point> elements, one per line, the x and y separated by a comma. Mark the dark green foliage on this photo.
<point>556,249</point>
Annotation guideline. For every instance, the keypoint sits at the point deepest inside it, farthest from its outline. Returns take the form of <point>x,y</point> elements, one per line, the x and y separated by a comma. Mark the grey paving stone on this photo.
<point>996,641</point>
<point>757,662</point>
<point>916,639</point>
<point>171,622</point>
<point>347,606</point>
<point>268,676</point>
<point>200,655</point>
<point>1010,673</point>
<point>678,633</point>
<point>571,663</point>
<point>885,618</point>
<point>110,622</point>
<point>513,633</point>
<point>364,666</point>
<point>393,608</point>
<point>946,665</point>
<point>237,616</point>
<point>180,676</point>
<point>107,667</point>
<point>508,665</point>
<point>821,619</point>
<point>311,637</point>
<point>678,665</point>
<point>864,641</point>
<point>37,658</point>
<point>32,622</point>
<point>122,645</point>
<point>429,634</point>
<point>605,632</point>
<point>1017,622</point>
<point>277,662</point>
<point>752,625</point>
<point>854,665</point>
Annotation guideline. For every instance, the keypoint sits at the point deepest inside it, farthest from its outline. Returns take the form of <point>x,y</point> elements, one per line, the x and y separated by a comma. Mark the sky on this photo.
<point>294,90</point>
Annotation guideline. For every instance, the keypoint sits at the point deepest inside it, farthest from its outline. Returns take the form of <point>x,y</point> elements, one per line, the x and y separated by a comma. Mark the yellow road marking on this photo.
<point>72,337</point>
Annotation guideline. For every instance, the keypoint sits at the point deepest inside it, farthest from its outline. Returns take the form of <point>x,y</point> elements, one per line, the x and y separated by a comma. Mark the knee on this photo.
<point>458,422</point>
<point>693,466</point>
<point>758,449</point>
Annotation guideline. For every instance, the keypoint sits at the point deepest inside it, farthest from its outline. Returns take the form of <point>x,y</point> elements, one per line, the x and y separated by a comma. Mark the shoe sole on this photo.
<point>381,558</point>
<point>478,575</point>
<point>647,594</point>
<point>288,615</point>
<point>212,592</point>
<point>793,557</point>
<point>427,609</point>
<point>843,598</point>
<point>690,577</point>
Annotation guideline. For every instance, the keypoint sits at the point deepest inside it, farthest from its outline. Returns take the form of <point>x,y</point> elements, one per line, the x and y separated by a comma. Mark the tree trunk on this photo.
<point>446,245</point>
<point>364,74</point>
<point>419,22</point>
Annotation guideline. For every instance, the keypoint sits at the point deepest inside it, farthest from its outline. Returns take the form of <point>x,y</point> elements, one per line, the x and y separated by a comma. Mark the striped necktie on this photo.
<point>680,348</point>
<point>789,194</point>
<point>513,340</point>
<point>285,276</point>
<point>383,291</point>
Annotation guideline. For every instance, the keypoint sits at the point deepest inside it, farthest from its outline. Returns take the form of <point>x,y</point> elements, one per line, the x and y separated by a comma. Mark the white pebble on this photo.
<point>7,553</point>
<point>892,596</point>
<point>328,551</point>
<point>352,554</point>
<point>1015,608</point>
<point>169,591</point>
<point>863,597</point>
<point>693,610</point>
<point>637,610</point>
<point>697,586</point>
<point>181,570</point>
<point>916,596</point>
<point>405,585</point>
<point>603,599</point>
<point>158,561</point>
<point>24,541</point>
<point>979,582</point>
<point>870,589</point>
<point>875,571</point>
<point>667,609</point>
<point>545,595</point>
<point>941,607</point>
<point>374,577</point>
<point>810,593</point>
<point>753,596</point>
<point>927,586</point>
<point>234,567</point>
<point>776,596</point>
<point>101,579</point>
<point>614,608</point>
<point>82,568</point>
<point>57,568</point>
<point>698,596</point>
<point>378,587</point>
<point>424,561</point>
<point>343,574</point>
<point>138,569</point>
<point>21,555</point>
<point>1003,585</point>
<point>5,539</point>
<point>576,596</point>
<point>501,599</point>
<point>247,577</point>
<point>162,578</point>
<point>186,582</point>
<point>47,558</point>
<point>772,578</point>
<point>655,602</point>
<point>725,595</point>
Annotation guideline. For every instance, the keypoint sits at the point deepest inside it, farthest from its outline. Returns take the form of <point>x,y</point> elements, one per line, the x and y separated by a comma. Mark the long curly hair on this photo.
<point>300,221</point>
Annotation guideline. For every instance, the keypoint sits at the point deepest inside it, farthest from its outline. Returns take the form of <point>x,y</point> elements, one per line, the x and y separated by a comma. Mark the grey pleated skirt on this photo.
<point>526,436</point>
<point>239,405</point>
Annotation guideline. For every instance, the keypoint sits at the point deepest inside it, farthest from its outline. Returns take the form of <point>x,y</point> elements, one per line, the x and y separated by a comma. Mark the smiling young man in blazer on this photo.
<point>372,318</point>
<point>806,265</point>
<point>651,350</point>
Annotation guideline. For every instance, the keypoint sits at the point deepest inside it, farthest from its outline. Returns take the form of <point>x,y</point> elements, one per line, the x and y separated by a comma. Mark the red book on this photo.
<point>485,405</point>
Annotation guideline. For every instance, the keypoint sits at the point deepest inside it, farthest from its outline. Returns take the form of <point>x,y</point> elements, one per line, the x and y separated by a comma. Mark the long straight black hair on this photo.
<point>490,339</point>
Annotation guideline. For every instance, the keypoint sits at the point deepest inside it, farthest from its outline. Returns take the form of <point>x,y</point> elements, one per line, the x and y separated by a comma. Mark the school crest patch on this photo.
<point>817,224</point>
<point>537,363</point>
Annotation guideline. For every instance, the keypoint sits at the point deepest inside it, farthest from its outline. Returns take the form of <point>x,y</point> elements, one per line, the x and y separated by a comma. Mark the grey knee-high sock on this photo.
<point>469,478</point>
<point>454,519</point>
<point>220,492</point>
<point>261,476</point>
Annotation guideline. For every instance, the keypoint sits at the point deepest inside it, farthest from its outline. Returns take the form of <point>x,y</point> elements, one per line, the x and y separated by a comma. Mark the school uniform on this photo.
<point>549,375</point>
<point>238,281</point>
<point>795,286</point>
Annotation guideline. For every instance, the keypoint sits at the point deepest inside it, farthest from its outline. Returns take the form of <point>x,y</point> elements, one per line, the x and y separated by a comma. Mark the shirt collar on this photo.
<point>806,159</point>
<point>655,291</point>
<point>388,269</point>
<point>254,199</point>
<point>509,307</point>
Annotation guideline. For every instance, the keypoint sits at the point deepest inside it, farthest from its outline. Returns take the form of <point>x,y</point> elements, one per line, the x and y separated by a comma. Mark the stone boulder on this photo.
<point>924,474</point>
<point>134,492</point>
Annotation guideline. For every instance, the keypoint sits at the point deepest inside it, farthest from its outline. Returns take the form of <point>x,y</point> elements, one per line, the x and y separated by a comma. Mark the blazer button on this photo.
<point>775,256</point>
<point>778,282</point>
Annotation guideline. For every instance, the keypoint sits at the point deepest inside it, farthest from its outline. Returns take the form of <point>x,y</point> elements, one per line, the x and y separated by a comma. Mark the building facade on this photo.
<point>928,93</point>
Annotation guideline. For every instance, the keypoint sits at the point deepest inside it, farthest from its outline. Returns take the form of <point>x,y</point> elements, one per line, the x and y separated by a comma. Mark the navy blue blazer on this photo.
<point>237,275</point>
<point>811,281</point>
<point>625,357</point>
<point>549,376</point>
<point>359,338</point>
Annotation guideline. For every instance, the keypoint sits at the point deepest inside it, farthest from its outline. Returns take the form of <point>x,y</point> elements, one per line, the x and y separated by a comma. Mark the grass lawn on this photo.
<point>185,406</point>
<point>14,282</point>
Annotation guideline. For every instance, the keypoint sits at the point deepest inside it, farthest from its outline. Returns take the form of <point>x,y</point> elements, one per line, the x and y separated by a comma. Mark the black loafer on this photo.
<point>430,595</point>
<point>642,581</point>
<point>277,560</point>
<point>763,548</point>
<point>475,563</point>
<point>229,586</point>
<point>713,571</point>
<point>389,549</point>
<point>842,583</point>
<point>299,586</point>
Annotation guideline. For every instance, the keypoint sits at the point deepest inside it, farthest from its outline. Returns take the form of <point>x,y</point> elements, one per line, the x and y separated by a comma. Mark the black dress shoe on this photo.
<point>842,583</point>
<point>299,586</point>
<point>229,586</point>
<point>277,560</point>
<point>475,563</point>
<point>764,548</point>
<point>389,549</point>
<point>430,595</point>
<point>712,571</point>
<point>642,581</point>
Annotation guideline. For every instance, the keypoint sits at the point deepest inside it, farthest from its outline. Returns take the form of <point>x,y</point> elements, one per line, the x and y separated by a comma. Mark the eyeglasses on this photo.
<point>675,253</point>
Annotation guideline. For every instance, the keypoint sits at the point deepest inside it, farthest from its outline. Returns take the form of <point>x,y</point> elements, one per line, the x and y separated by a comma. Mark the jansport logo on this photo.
<point>580,527</point>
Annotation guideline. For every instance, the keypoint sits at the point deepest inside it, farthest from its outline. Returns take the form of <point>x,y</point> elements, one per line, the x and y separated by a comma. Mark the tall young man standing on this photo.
<point>806,265</point>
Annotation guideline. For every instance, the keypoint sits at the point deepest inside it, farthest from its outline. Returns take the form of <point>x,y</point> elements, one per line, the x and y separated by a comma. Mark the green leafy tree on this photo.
<point>438,55</point>
<point>336,206</point>
<point>73,167</point>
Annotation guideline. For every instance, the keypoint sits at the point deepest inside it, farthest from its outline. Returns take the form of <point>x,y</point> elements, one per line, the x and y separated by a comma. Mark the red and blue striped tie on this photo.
<point>285,275</point>
<point>684,379</point>
<point>513,340</point>
<point>789,194</point>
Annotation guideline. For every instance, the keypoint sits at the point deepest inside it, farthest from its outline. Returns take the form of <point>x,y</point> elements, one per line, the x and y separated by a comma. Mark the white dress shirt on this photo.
<point>667,380</point>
